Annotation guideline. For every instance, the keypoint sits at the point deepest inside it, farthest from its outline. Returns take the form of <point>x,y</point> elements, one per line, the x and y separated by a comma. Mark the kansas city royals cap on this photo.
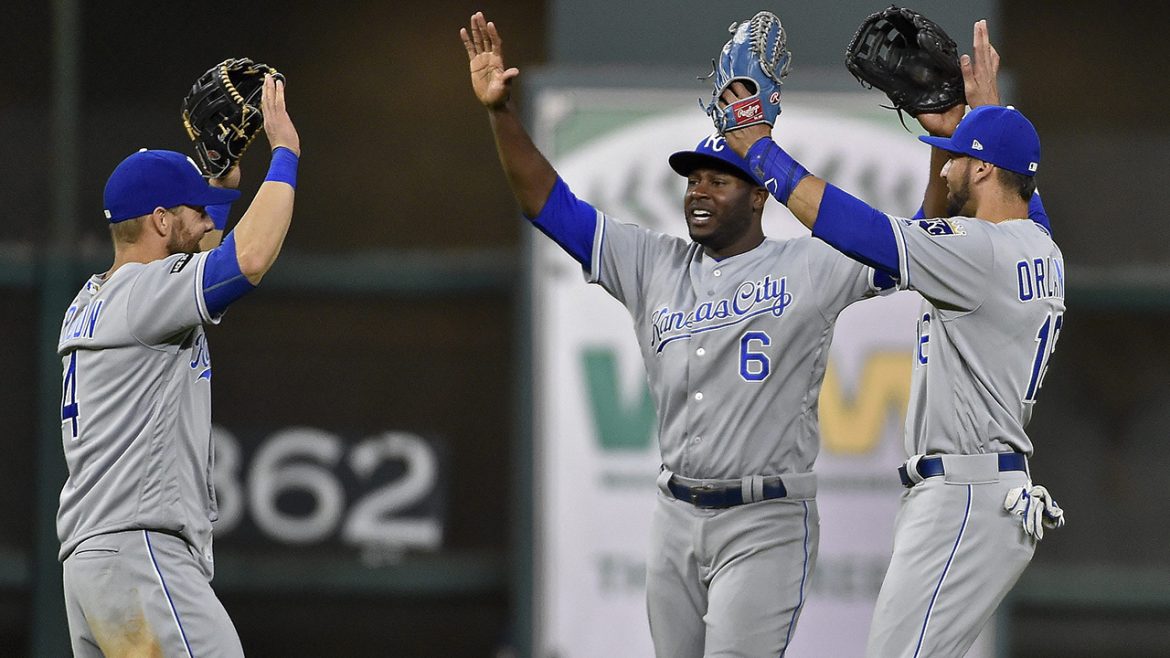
<point>152,179</point>
<point>713,151</point>
<point>999,135</point>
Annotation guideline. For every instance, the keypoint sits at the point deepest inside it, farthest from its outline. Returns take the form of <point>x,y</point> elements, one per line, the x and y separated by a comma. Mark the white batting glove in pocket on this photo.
<point>1036,509</point>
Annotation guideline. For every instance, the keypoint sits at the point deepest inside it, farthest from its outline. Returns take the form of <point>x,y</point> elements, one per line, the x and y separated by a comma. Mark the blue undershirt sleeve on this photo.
<point>1037,213</point>
<point>569,221</point>
<point>219,214</point>
<point>857,230</point>
<point>223,282</point>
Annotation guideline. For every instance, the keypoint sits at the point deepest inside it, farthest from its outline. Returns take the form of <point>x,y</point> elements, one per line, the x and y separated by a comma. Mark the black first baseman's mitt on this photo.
<point>222,112</point>
<point>910,57</point>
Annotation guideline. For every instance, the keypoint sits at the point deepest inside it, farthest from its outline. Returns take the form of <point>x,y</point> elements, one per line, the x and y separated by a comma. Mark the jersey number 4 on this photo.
<point>69,394</point>
<point>1046,345</point>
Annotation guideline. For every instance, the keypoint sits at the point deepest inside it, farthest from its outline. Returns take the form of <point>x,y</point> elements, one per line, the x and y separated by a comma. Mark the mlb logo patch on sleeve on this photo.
<point>940,227</point>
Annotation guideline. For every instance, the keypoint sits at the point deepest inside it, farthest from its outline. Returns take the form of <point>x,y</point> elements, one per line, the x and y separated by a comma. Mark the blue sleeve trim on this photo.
<point>883,280</point>
<point>855,229</point>
<point>219,214</point>
<point>777,170</point>
<point>223,282</point>
<point>1037,213</point>
<point>283,168</point>
<point>570,222</point>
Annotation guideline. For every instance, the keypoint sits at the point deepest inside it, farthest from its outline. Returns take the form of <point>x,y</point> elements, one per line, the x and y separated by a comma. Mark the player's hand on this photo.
<point>277,125</point>
<point>979,74</point>
<point>491,82</point>
<point>979,84</point>
<point>942,124</point>
<point>742,139</point>
<point>230,180</point>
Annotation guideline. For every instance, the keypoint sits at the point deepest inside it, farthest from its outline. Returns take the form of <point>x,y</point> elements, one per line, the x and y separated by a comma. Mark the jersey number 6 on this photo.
<point>754,366</point>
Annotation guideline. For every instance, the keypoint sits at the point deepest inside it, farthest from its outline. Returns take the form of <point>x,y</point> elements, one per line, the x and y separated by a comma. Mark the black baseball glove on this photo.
<point>222,112</point>
<point>910,57</point>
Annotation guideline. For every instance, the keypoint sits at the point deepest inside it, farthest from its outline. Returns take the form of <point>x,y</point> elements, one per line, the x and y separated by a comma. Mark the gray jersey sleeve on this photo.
<point>167,299</point>
<point>946,260</point>
<point>839,280</point>
<point>624,255</point>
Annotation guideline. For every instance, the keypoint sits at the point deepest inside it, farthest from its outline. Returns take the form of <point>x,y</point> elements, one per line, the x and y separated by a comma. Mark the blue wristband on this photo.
<point>283,168</point>
<point>779,172</point>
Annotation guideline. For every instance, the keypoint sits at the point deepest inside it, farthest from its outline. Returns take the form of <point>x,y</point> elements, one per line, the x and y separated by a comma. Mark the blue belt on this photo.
<point>717,496</point>
<point>929,467</point>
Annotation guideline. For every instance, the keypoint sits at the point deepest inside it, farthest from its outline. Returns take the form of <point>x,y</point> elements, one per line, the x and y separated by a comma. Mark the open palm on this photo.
<point>489,79</point>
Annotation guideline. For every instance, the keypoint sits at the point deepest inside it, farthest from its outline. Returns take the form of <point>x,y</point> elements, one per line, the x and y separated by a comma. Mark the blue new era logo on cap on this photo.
<point>999,135</point>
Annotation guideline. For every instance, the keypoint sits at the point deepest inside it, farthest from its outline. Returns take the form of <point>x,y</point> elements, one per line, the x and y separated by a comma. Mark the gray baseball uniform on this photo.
<point>734,350</point>
<point>993,310</point>
<point>136,510</point>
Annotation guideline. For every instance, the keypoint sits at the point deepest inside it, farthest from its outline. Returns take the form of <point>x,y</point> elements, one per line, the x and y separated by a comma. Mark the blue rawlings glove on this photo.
<point>756,55</point>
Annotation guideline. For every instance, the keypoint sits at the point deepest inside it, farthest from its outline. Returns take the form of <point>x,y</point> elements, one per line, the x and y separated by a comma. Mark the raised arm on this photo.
<point>229,181</point>
<point>260,232</point>
<point>981,87</point>
<point>530,175</point>
<point>787,181</point>
<point>849,224</point>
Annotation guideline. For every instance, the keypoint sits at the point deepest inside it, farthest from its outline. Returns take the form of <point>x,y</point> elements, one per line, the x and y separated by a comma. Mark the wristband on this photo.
<point>779,172</point>
<point>283,168</point>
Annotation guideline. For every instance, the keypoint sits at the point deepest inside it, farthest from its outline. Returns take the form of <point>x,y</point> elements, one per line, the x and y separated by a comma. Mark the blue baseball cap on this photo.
<point>999,135</point>
<point>158,179</point>
<point>714,152</point>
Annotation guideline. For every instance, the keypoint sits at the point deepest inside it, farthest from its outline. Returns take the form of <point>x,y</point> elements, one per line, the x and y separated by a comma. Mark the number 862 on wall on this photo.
<point>303,485</point>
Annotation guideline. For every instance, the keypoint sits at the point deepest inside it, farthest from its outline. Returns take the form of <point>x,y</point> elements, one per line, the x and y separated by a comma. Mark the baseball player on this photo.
<point>992,282</point>
<point>137,507</point>
<point>734,330</point>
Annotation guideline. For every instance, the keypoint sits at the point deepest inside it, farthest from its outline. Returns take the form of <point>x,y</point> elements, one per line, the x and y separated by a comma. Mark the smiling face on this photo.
<point>723,211</point>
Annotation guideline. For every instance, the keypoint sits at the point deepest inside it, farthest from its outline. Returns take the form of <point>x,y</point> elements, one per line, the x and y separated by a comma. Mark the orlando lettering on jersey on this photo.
<point>1040,278</point>
<point>81,324</point>
<point>751,298</point>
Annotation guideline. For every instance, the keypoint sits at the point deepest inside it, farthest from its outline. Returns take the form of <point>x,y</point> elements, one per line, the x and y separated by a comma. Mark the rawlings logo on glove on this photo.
<point>757,56</point>
<point>222,113</point>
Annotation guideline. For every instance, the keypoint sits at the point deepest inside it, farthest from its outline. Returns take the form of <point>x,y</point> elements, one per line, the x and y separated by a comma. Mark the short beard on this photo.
<point>958,199</point>
<point>176,245</point>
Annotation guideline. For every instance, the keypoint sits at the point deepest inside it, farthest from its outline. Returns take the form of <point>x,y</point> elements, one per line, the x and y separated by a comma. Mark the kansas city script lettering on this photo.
<point>751,298</point>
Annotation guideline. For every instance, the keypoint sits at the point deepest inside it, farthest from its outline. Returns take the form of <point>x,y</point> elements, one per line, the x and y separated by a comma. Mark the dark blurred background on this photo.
<point>398,302</point>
